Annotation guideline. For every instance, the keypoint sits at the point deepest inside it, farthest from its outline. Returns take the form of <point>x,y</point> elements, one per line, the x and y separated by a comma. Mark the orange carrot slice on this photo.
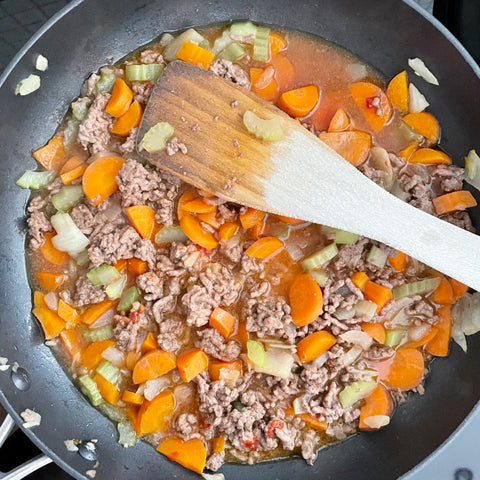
<point>220,370</point>
<point>379,402</point>
<point>264,83</point>
<point>192,228</point>
<point>191,454</point>
<point>198,206</point>
<point>107,390</point>
<point>306,300</point>
<point>284,71</point>
<point>276,43</point>
<point>373,102</point>
<point>129,120</point>
<point>354,146</point>
<point>195,55</point>
<point>73,169</point>
<point>120,99</point>
<point>218,444</point>
<point>191,363</point>
<point>184,198</point>
<point>251,217</point>
<point>264,247</point>
<point>289,220</point>
<point>439,344</point>
<point>459,289</point>
<point>313,345</point>
<point>339,122</point>
<point>443,294</point>
<point>153,415</point>
<point>50,253</point>
<point>131,358</point>
<point>359,279</point>
<point>222,321</point>
<point>50,280</point>
<point>132,397</point>
<point>210,218</point>
<point>142,218</point>
<point>453,202</point>
<point>398,262</point>
<point>51,155</point>
<point>308,419</point>
<point>94,312</point>
<point>299,102</point>
<point>99,179</point>
<point>137,266</point>
<point>424,124</point>
<point>429,156</point>
<point>377,294</point>
<point>51,323</point>
<point>423,340</point>
<point>407,152</point>
<point>121,265</point>
<point>406,370</point>
<point>150,343</point>
<point>39,299</point>
<point>152,365</point>
<point>68,313</point>
<point>73,341</point>
<point>375,330</point>
<point>92,355</point>
<point>397,92</point>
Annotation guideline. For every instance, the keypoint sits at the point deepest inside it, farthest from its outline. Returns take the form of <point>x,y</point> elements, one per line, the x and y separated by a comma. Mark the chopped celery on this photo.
<point>113,412</point>
<point>472,169</point>
<point>233,52</point>
<point>356,391</point>
<point>109,372</point>
<point>35,180</point>
<point>105,82</point>
<point>97,334</point>
<point>89,388</point>
<point>126,434</point>
<point>127,299</point>
<point>82,258</point>
<point>156,138</point>
<point>256,353</point>
<point>278,362</point>
<point>281,231</point>
<point>70,132</point>
<point>190,35</point>
<point>415,288</point>
<point>321,257</point>
<point>115,289</point>
<point>144,72</point>
<point>365,309</point>
<point>376,256</point>
<point>342,237</point>
<point>222,42</point>
<point>260,45</point>
<point>243,31</point>
<point>394,337</point>
<point>67,197</point>
<point>103,275</point>
<point>170,234</point>
<point>69,237</point>
<point>326,229</point>
<point>320,276</point>
<point>270,130</point>
<point>80,108</point>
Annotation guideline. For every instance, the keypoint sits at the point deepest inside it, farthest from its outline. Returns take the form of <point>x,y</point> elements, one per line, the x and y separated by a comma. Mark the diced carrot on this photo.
<point>50,253</point>
<point>407,152</point>
<point>264,247</point>
<point>257,230</point>
<point>120,99</point>
<point>210,218</point>
<point>73,162</point>
<point>276,43</point>
<point>359,279</point>
<point>251,217</point>
<point>222,321</point>
<point>193,230</point>
<point>423,340</point>
<point>354,145</point>
<point>152,365</point>
<point>142,217</point>
<point>135,265</point>
<point>99,179</point>
<point>377,294</point>
<point>154,414</point>
<point>339,122</point>
<point>264,83</point>
<point>121,265</point>
<point>131,358</point>
<point>425,124</point>
<point>284,71</point>
<point>51,155</point>
<point>191,454</point>
<point>73,168</point>
<point>398,262</point>
<point>51,323</point>
<point>306,299</point>
<point>132,397</point>
<point>375,330</point>
<point>39,299</point>
<point>227,230</point>
<point>129,120</point>
<point>453,202</point>
<point>195,55</point>
<point>150,343</point>
<point>313,345</point>
<point>443,294</point>
<point>68,313</point>
<point>308,419</point>
<point>406,370</point>
<point>92,354</point>
<point>222,370</point>
<point>107,390</point>
<point>218,444</point>
<point>73,341</point>
<point>94,312</point>
<point>242,334</point>
<point>379,402</point>
<point>199,206</point>
<point>439,344</point>
<point>184,198</point>
<point>429,156</point>
<point>50,280</point>
<point>459,289</point>
<point>299,102</point>
<point>373,102</point>
<point>397,92</point>
<point>289,220</point>
<point>191,363</point>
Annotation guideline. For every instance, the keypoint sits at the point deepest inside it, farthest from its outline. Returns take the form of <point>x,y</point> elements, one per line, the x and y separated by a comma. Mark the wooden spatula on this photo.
<point>297,176</point>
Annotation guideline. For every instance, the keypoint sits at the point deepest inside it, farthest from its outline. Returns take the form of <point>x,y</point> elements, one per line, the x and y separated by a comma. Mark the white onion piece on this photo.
<point>70,445</point>
<point>352,355</point>
<point>4,366</point>
<point>300,404</point>
<point>213,476</point>
<point>416,100</point>
<point>320,360</point>
<point>420,69</point>
<point>344,313</point>
<point>41,62</point>
<point>105,319</point>
<point>380,160</point>
<point>265,78</point>
<point>294,252</point>
<point>155,386</point>
<point>183,393</point>
<point>416,333</point>
<point>467,311</point>
<point>51,300</point>
<point>336,431</point>
<point>472,169</point>
<point>398,192</point>
<point>114,355</point>
<point>69,238</point>
<point>112,211</point>
<point>377,421</point>
<point>365,309</point>
<point>31,418</point>
<point>28,85</point>
<point>357,337</point>
<point>458,336</point>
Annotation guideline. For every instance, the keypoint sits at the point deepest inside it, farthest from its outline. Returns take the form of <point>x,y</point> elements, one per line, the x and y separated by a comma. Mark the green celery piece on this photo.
<point>233,52</point>
<point>35,180</point>
<point>67,197</point>
<point>105,82</point>
<point>394,337</point>
<point>320,276</point>
<point>246,30</point>
<point>98,334</point>
<point>170,234</point>
<point>270,130</point>
<point>127,299</point>
<point>103,275</point>
<point>156,138</point>
<point>90,389</point>
<point>256,353</point>
<point>143,72</point>
<point>415,288</point>
<point>261,50</point>
<point>109,372</point>
<point>126,434</point>
<point>356,391</point>
<point>115,289</point>
<point>317,259</point>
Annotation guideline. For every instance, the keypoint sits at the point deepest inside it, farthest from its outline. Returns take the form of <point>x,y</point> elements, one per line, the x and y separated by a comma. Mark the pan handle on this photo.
<point>28,467</point>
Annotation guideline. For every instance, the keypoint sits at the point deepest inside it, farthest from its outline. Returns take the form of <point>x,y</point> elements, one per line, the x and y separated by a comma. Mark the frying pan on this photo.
<point>83,37</point>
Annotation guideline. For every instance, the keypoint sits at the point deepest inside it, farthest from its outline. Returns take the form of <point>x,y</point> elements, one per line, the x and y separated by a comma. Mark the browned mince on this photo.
<point>184,283</point>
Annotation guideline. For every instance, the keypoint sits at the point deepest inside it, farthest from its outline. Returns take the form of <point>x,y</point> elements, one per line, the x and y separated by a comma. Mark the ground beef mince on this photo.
<point>261,355</point>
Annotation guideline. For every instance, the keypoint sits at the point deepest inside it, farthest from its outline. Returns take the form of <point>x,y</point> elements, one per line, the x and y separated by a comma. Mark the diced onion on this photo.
<point>377,421</point>
<point>365,309</point>
<point>155,386</point>
<point>357,337</point>
<point>183,393</point>
<point>213,476</point>
<point>357,71</point>
<point>467,311</point>
<point>416,101</point>
<point>105,319</point>
<point>70,445</point>
<point>320,360</point>
<point>51,300</point>
<point>344,313</point>
<point>299,404</point>
<point>32,419</point>
<point>28,85</point>
<point>114,356</point>
<point>321,277</point>
<point>420,69</point>
<point>376,256</point>
<point>295,252</point>
<point>41,63</point>
<point>472,169</point>
<point>278,362</point>
<point>69,238</point>
<point>265,129</point>
<point>417,332</point>
<point>352,354</point>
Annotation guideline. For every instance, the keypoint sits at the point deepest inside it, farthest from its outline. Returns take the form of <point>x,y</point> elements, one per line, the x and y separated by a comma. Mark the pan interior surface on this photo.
<point>85,39</point>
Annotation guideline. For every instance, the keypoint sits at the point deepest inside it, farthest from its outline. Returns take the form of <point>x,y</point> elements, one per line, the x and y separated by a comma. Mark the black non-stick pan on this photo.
<point>84,36</point>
